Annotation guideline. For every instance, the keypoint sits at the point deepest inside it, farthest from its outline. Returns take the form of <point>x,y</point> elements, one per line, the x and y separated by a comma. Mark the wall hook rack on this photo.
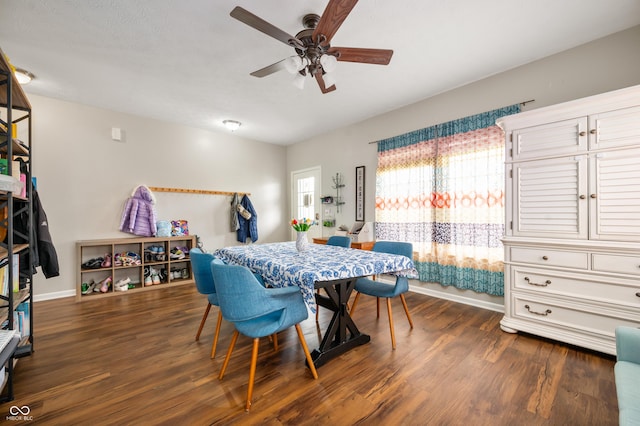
<point>196,191</point>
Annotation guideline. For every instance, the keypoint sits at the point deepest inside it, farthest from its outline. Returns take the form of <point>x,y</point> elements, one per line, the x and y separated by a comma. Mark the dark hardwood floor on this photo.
<point>133,360</point>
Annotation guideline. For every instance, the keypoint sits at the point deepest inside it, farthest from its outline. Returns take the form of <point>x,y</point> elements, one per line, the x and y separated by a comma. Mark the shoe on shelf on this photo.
<point>177,254</point>
<point>88,287</point>
<point>162,274</point>
<point>104,285</point>
<point>155,279</point>
<point>106,263</point>
<point>122,283</point>
<point>121,288</point>
<point>148,281</point>
<point>94,263</point>
<point>184,274</point>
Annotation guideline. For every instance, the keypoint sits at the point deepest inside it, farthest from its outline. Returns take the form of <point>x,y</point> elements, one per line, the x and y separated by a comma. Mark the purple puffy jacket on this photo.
<point>139,215</point>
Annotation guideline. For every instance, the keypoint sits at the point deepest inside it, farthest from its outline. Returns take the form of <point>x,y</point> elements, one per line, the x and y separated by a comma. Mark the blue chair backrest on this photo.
<point>201,266</point>
<point>339,240</point>
<point>240,294</point>
<point>394,247</point>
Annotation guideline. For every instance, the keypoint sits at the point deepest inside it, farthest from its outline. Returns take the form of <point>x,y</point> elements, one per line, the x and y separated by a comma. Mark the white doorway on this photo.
<point>305,199</point>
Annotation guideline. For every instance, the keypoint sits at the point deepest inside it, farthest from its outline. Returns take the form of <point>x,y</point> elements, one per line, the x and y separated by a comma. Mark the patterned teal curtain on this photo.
<point>442,188</point>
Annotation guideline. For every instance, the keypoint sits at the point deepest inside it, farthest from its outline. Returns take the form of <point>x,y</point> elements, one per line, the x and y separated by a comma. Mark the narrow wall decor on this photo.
<point>359,193</point>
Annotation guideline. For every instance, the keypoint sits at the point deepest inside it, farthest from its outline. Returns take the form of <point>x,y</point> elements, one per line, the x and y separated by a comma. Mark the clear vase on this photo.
<point>301,241</point>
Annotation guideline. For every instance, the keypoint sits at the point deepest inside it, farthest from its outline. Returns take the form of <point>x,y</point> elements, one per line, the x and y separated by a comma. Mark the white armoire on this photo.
<point>572,240</point>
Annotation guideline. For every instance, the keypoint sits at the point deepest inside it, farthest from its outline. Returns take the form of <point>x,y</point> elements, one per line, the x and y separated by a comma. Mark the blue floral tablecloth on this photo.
<point>280,264</point>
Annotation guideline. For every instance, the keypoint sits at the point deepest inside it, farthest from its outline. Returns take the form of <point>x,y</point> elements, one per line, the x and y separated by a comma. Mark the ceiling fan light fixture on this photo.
<point>23,76</point>
<point>298,81</point>
<point>232,125</point>
<point>329,79</point>
<point>328,62</point>
<point>293,64</point>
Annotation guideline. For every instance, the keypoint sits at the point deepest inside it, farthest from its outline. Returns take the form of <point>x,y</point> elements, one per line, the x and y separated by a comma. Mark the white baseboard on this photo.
<point>497,307</point>
<point>55,295</point>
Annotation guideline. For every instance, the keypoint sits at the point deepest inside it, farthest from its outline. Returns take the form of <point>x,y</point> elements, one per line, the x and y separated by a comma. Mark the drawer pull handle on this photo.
<point>638,294</point>
<point>544,314</point>
<point>583,133</point>
<point>546,283</point>
<point>545,257</point>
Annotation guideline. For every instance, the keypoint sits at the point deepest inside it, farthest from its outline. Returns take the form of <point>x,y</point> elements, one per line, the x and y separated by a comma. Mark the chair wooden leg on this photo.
<point>275,341</point>
<point>252,372</point>
<point>393,334</point>
<point>307,355</point>
<point>214,345</point>
<point>406,309</point>
<point>377,307</point>
<point>317,306</point>
<point>226,359</point>
<point>355,302</point>
<point>204,318</point>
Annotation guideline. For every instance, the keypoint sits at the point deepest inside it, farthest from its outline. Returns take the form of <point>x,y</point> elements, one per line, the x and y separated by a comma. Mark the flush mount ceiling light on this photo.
<point>23,76</point>
<point>232,125</point>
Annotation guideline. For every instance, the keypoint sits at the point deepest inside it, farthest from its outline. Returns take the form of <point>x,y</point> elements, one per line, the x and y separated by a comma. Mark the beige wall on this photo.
<point>603,65</point>
<point>84,178</point>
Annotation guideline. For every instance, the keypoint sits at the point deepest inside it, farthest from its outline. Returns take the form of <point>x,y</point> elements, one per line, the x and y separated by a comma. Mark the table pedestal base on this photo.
<point>341,334</point>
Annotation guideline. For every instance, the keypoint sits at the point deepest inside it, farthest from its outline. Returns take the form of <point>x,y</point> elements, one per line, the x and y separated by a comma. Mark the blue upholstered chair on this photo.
<point>257,312</point>
<point>627,375</point>
<point>201,267</point>
<point>379,289</point>
<point>340,241</point>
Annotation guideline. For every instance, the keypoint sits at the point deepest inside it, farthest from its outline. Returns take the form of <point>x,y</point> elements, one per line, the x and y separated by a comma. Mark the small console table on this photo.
<point>364,245</point>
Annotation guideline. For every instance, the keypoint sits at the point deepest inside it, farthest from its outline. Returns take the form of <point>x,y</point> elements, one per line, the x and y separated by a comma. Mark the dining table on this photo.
<point>331,268</point>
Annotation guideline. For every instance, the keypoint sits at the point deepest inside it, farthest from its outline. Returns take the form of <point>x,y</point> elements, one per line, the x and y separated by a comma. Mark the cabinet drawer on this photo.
<point>569,259</point>
<point>578,286</point>
<point>579,317</point>
<point>616,263</point>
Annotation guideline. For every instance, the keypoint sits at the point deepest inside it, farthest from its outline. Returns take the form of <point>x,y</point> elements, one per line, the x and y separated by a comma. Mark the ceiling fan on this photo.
<point>315,56</point>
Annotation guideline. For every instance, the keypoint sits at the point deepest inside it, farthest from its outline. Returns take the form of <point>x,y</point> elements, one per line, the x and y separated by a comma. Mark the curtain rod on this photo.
<point>196,191</point>
<point>523,103</point>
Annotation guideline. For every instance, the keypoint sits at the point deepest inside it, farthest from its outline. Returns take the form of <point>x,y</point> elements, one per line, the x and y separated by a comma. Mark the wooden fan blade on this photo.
<point>261,25</point>
<point>323,88</point>
<point>268,70</point>
<point>367,56</point>
<point>333,16</point>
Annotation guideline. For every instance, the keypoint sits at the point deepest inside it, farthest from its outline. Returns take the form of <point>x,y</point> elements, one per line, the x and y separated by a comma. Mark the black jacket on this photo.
<point>43,253</point>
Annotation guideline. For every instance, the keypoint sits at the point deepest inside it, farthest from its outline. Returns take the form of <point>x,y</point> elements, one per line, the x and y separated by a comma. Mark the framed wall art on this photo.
<point>360,194</point>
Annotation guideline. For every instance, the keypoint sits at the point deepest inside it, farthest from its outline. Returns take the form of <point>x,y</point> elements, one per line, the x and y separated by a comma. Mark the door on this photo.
<point>559,138</point>
<point>614,195</point>
<point>550,198</point>
<point>305,199</point>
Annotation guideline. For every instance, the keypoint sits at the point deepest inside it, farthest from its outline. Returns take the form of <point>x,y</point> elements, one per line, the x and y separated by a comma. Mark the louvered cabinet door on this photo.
<point>564,137</point>
<point>614,195</point>
<point>615,129</point>
<point>550,198</point>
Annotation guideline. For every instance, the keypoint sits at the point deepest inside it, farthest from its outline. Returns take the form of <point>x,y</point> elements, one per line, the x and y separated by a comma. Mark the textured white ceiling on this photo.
<point>188,61</point>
